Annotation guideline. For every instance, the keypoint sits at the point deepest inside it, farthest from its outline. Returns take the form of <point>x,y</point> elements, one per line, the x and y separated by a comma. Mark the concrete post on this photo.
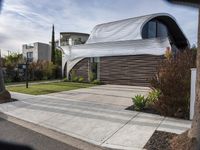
<point>192,92</point>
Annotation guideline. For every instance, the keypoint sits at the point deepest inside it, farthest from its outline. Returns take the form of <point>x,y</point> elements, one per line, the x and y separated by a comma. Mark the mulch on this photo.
<point>160,141</point>
<point>145,110</point>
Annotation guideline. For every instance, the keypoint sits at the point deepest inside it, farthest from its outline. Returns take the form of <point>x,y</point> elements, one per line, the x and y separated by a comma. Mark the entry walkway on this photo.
<point>97,121</point>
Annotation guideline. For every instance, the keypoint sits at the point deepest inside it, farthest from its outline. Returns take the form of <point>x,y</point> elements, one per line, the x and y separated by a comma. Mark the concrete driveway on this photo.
<point>96,115</point>
<point>119,95</point>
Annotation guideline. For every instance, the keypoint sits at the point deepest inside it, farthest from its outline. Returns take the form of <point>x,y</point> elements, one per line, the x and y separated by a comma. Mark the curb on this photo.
<point>74,142</point>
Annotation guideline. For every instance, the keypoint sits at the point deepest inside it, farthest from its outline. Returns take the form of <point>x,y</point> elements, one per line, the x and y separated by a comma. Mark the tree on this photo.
<point>194,132</point>
<point>53,47</point>
<point>190,140</point>
<point>4,94</point>
<point>11,61</point>
<point>58,57</point>
<point>2,86</point>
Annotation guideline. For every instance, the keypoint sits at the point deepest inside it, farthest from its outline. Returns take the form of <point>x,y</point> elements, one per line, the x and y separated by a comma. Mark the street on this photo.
<point>10,132</point>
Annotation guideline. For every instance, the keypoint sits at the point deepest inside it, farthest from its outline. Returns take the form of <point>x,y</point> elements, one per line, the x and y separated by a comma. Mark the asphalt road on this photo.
<point>13,133</point>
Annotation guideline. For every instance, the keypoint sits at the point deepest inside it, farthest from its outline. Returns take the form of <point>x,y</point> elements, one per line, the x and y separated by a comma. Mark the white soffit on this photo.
<point>119,48</point>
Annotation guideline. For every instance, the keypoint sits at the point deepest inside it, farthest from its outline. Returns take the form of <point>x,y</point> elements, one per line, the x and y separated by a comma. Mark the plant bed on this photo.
<point>145,110</point>
<point>160,141</point>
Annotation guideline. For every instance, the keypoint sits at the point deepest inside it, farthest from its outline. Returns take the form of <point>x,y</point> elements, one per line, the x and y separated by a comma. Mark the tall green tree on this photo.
<point>53,47</point>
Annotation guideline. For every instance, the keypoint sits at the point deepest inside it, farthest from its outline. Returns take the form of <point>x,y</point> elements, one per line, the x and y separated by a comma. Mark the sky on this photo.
<point>29,21</point>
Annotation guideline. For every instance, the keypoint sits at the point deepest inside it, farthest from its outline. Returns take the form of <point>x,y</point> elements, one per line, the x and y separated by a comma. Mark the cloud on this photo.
<point>24,21</point>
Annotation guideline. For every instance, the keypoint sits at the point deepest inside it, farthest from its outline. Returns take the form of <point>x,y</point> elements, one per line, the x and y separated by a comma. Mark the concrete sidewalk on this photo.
<point>103,124</point>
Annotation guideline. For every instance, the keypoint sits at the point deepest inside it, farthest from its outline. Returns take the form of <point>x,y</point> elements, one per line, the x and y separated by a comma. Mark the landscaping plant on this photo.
<point>41,70</point>
<point>153,96</point>
<point>80,79</point>
<point>73,76</point>
<point>139,102</point>
<point>173,81</point>
<point>96,82</point>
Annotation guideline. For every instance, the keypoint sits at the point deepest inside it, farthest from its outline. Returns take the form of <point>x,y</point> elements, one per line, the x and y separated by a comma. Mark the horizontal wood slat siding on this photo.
<point>128,70</point>
<point>125,70</point>
<point>81,69</point>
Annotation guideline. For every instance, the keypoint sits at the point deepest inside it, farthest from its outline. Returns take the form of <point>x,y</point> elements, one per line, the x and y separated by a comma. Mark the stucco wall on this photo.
<point>44,52</point>
<point>41,51</point>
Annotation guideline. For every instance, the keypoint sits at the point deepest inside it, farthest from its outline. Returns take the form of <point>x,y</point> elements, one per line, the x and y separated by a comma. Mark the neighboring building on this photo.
<point>73,38</point>
<point>126,51</point>
<point>56,43</point>
<point>37,51</point>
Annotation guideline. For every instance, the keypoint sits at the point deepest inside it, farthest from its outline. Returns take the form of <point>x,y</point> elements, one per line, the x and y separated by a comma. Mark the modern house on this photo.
<point>125,51</point>
<point>73,38</point>
<point>69,39</point>
<point>56,43</point>
<point>37,51</point>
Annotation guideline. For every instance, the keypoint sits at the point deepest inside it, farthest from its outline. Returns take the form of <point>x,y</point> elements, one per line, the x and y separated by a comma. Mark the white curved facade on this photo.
<point>117,38</point>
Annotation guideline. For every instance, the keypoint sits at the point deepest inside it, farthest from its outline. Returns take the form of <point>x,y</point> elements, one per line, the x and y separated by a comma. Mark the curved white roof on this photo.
<point>122,30</point>
<point>121,38</point>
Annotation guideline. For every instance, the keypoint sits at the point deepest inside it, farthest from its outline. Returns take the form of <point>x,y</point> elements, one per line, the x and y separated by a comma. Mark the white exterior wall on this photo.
<point>41,51</point>
<point>44,52</point>
<point>34,50</point>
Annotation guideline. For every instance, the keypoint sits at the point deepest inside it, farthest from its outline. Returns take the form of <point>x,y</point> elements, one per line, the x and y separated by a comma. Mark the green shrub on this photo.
<point>7,80</point>
<point>153,96</point>
<point>96,82</point>
<point>80,79</point>
<point>74,77</point>
<point>91,76</point>
<point>173,81</point>
<point>139,102</point>
<point>41,70</point>
<point>65,80</point>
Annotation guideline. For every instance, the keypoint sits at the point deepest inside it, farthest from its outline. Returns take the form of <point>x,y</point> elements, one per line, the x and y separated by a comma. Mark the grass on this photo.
<point>47,88</point>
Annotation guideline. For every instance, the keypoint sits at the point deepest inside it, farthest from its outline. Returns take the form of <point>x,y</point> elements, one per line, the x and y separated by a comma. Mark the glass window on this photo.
<point>152,29</point>
<point>94,63</point>
<point>145,31</point>
<point>161,30</point>
<point>30,56</point>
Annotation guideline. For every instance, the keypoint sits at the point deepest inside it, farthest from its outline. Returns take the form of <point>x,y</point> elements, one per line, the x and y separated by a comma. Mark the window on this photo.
<point>154,29</point>
<point>94,68</point>
<point>161,30</point>
<point>30,56</point>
